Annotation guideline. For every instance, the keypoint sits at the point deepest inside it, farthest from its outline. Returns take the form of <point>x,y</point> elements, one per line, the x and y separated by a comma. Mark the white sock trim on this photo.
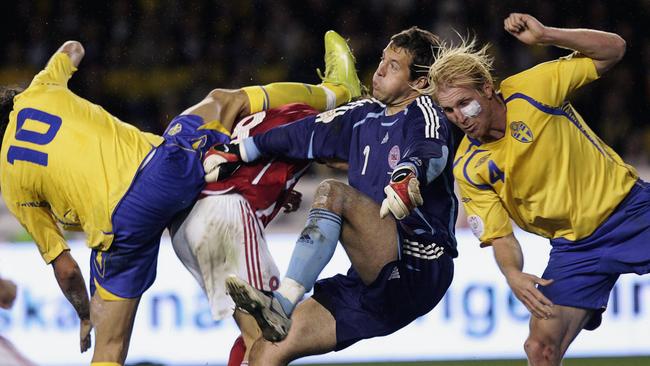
<point>291,290</point>
<point>330,97</point>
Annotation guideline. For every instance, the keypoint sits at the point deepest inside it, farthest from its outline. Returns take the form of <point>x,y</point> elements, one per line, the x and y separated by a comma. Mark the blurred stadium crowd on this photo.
<point>148,60</point>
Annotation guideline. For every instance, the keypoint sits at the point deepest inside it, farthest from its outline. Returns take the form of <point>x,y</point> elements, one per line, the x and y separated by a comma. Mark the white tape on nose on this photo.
<point>471,110</point>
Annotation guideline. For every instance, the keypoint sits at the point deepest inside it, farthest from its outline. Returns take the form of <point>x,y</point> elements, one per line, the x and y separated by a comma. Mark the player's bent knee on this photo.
<point>226,97</point>
<point>222,94</point>
<point>331,195</point>
<point>541,352</point>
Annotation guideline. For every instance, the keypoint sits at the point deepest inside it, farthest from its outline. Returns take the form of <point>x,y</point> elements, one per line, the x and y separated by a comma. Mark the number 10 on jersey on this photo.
<point>25,154</point>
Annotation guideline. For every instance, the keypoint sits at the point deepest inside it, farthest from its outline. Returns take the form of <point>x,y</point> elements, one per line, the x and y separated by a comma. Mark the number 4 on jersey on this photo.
<point>495,173</point>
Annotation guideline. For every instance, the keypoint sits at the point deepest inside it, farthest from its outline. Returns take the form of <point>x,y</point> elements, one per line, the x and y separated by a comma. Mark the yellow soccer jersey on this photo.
<point>549,173</point>
<point>66,161</point>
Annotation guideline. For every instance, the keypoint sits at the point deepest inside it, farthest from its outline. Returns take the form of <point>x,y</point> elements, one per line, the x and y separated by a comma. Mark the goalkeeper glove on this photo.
<point>402,194</point>
<point>221,161</point>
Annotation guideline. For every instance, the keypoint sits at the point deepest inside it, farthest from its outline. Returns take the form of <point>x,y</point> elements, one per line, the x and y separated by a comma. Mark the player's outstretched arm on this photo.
<point>75,50</point>
<point>73,286</point>
<point>510,259</point>
<point>605,48</point>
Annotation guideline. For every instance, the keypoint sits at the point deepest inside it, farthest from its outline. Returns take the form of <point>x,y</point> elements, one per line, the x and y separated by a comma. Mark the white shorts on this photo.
<point>222,236</point>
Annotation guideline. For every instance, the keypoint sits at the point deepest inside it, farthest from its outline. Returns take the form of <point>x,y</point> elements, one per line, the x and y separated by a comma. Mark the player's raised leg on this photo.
<point>340,85</point>
<point>339,212</point>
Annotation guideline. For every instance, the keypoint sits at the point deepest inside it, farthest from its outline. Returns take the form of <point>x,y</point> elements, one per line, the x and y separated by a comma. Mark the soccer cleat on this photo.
<point>266,309</point>
<point>339,64</point>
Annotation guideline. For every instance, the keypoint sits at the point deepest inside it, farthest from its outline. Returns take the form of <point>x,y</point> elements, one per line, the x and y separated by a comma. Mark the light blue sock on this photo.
<point>312,252</point>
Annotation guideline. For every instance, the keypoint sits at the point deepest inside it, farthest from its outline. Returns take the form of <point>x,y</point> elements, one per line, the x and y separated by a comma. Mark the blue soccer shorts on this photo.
<point>585,271</point>
<point>404,290</point>
<point>169,180</point>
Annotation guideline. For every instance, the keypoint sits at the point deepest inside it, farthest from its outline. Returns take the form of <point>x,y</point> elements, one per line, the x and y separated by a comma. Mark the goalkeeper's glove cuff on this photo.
<point>402,193</point>
<point>221,161</point>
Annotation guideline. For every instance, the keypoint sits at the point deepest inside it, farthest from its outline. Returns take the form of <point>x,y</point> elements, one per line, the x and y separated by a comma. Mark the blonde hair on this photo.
<point>463,65</point>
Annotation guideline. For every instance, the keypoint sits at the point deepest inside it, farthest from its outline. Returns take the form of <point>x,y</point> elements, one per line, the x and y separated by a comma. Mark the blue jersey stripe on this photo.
<point>437,165</point>
<point>266,103</point>
<point>479,186</point>
<point>557,112</point>
<point>310,152</point>
<point>369,116</point>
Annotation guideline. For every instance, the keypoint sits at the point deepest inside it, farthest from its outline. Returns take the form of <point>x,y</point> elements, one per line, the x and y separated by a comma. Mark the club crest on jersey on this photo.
<point>175,129</point>
<point>394,157</point>
<point>521,132</point>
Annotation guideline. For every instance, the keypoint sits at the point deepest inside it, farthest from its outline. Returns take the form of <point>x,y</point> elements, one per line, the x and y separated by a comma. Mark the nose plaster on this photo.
<point>471,110</point>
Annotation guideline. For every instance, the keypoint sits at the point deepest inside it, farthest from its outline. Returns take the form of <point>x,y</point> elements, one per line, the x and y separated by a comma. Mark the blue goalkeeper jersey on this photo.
<point>375,144</point>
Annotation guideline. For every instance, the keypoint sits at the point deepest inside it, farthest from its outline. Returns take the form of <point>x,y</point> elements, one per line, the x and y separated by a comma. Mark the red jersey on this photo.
<point>264,184</point>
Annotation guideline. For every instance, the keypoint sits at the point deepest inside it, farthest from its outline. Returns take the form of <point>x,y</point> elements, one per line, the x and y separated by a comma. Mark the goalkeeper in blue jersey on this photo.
<point>530,157</point>
<point>66,162</point>
<point>395,219</point>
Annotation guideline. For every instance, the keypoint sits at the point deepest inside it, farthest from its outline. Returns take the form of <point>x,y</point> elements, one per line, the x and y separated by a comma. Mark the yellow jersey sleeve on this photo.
<point>550,82</point>
<point>57,72</point>
<point>40,224</point>
<point>486,215</point>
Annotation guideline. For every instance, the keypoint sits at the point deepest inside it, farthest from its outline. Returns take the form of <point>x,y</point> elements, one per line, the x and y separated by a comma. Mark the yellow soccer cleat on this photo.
<point>339,65</point>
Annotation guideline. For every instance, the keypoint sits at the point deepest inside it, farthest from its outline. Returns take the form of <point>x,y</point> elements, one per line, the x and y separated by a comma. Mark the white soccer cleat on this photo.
<point>266,310</point>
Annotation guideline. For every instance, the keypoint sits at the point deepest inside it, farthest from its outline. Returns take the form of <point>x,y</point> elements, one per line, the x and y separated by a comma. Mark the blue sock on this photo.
<point>312,252</point>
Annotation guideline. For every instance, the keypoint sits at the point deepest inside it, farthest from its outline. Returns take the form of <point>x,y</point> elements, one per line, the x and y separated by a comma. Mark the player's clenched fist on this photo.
<point>221,161</point>
<point>526,28</point>
<point>402,194</point>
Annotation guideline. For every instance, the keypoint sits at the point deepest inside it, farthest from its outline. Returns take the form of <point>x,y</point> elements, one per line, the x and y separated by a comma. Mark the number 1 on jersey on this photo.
<point>366,154</point>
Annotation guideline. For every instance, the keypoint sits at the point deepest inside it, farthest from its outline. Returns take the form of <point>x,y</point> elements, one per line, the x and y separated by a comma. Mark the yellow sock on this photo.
<point>321,97</point>
<point>105,364</point>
